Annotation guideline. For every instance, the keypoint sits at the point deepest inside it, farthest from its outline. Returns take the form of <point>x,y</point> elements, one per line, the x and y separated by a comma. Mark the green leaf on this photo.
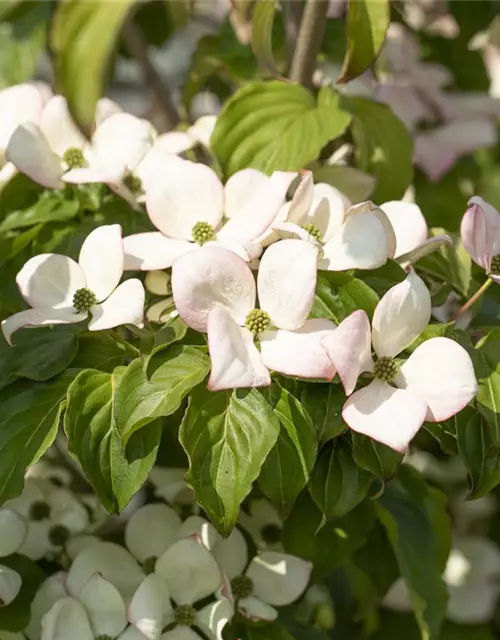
<point>139,399</point>
<point>337,484</point>
<point>288,466</point>
<point>28,425</point>
<point>271,631</point>
<point>93,440</point>
<point>355,184</point>
<point>405,512</point>
<point>227,437</point>
<point>98,350</point>
<point>329,544</point>
<point>324,402</point>
<point>486,358</point>
<point>83,37</point>
<point>339,294</point>
<point>276,125</point>
<point>262,31</point>
<point>367,24</point>
<point>383,146</point>
<point>16,616</point>
<point>479,450</point>
<point>11,246</point>
<point>375,457</point>
<point>38,354</point>
<point>47,209</point>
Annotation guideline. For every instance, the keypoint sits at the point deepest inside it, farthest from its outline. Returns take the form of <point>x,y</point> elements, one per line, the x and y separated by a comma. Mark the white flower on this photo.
<point>270,580</point>
<point>214,291</point>
<point>436,382</point>
<point>263,523</point>
<point>187,202</point>
<point>19,104</point>
<point>176,142</point>
<point>46,147</point>
<point>150,531</point>
<point>51,516</point>
<point>471,576</point>
<point>351,237</point>
<point>10,585</point>
<point>62,291</point>
<point>170,485</point>
<point>13,532</point>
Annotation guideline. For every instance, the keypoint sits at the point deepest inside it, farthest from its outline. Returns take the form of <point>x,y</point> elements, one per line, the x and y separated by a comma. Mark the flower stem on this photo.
<point>120,340</point>
<point>473,299</point>
<point>312,29</point>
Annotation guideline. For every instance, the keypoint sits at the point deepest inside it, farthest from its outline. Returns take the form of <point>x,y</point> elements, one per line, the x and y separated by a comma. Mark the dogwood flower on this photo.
<point>62,291</point>
<point>214,291</point>
<point>169,484</point>
<point>480,232</point>
<point>436,382</point>
<point>187,202</point>
<point>19,104</point>
<point>47,147</point>
<point>177,142</point>
<point>13,532</point>
<point>150,531</point>
<point>51,516</point>
<point>269,580</point>
<point>10,585</point>
<point>351,237</point>
<point>264,524</point>
<point>471,577</point>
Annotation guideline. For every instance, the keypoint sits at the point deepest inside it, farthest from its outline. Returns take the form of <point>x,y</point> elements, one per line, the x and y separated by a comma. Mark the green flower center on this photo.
<point>185,615</point>
<point>104,636</point>
<point>84,300</point>
<point>149,565</point>
<point>495,265</point>
<point>133,183</point>
<point>313,231</point>
<point>242,586</point>
<point>73,158</point>
<point>257,320</point>
<point>39,510</point>
<point>385,369</point>
<point>58,535</point>
<point>202,232</point>
<point>271,533</point>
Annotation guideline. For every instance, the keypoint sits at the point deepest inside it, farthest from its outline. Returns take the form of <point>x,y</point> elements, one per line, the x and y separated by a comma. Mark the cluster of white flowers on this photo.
<point>172,578</point>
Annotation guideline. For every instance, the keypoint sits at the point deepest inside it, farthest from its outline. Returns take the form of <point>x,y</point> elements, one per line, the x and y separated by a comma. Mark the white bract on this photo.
<point>170,485</point>
<point>351,237</point>
<point>47,147</point>
<point>187,203</point>
<point>51,515</point>
<point>61,291</point>
<point>270,580</point>
<point>263,523</point>
<point>436,382</point>
<point>10,585</point>
<point>214,291</point>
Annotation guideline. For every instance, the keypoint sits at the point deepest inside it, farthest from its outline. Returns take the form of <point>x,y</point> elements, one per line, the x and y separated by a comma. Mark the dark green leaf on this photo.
<point>47,209</point>
<point>138,399</point>
<point>28,425</point>
<point>276,125</point>
<point>339,294</point>
<point>375,457</point>
<point>324,403</point>
<point>337,483</point>
<point>83,37</point>
<point>288,466</point>
<point>98,350</point>
<point>93,440</point>
<point>227,437</point>
<point>367,24</point>
<point>272,631</point>
<point>16,616</point>
<point>383,145</point>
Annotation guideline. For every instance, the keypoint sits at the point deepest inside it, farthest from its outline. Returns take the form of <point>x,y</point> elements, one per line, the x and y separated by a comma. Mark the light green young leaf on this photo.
<point>227,437</point>
<point>94,441</point>
<point>83,37</point>
<point>367,24</point>
<point>262,31</point>
<point>276,126</point>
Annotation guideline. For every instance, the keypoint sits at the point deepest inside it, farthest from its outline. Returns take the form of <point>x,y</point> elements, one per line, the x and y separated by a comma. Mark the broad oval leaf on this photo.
<point>324,404</point>
<point>367,24</point>
<point>94,441</point>
<point>375,457</point>
<point>83,37</point>
<point>227,437</point>
<point>276,126</point>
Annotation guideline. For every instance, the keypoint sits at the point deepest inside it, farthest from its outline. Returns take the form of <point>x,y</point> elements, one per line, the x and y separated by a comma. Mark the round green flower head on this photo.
<point>39,510</point>
<point>185,615</point>
<point>495,265</point>
<point>133,183</point>
<point>59,535</point>
<point>242,586</point>
<point>313,231</point>
<point>73,158</point>
<point>84,300</point>
<point>257,320</point>
<point>202,232</point>
<point>385,369</point>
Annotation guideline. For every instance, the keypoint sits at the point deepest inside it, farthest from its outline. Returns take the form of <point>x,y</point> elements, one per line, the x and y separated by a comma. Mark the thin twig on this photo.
<point>138,48</point>
<point>312,29</point>
<point>474,298</point>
